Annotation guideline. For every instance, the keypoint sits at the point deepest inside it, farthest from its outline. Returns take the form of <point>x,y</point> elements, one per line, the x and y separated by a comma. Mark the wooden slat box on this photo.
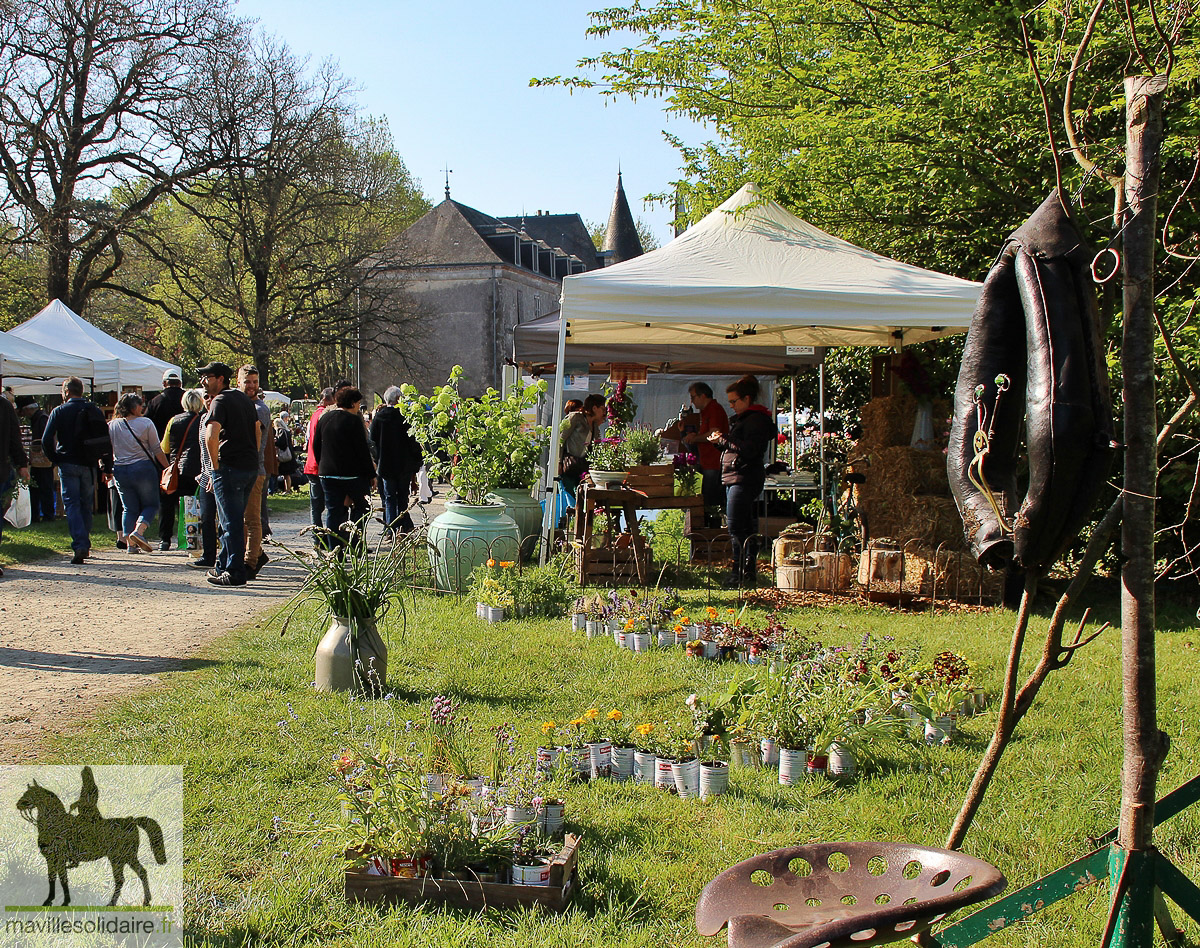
<point>469,894</point>
<point>653,480</point>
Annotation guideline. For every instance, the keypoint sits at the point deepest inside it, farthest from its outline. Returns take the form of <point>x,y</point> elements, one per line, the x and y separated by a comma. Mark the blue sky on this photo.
<point>452,79</point>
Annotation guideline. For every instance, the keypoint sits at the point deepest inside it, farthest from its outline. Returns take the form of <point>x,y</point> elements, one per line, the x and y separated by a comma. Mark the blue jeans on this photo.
<point>394,491</point>
<point>78,487</point>
<point>137,483</point>
<point>41,492</point>
<point>316,501</point>
<point>208,526</point>
<point>741,517</point>
<point>337,492</point>
<point>231,488</point>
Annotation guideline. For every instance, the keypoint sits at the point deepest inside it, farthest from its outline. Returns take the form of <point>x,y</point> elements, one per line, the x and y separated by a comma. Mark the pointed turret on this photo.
<point>621,241</point>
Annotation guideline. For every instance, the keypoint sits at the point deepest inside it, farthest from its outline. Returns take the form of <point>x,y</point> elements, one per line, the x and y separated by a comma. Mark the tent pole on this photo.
<point>821,413</point>
<point>793,410</point>
<point>549,520</point>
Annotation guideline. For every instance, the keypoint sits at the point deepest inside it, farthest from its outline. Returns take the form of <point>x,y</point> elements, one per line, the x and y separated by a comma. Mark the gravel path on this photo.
<point>74,637</point>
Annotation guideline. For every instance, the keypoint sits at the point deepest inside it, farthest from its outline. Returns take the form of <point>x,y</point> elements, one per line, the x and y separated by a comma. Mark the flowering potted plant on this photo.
<point>618,731</point>
<point>620,404</point>
<point>493,584</point>
<point>386,813</point>
<point>608,460</point>
<point>643,445</point>
<point>687,473</point>
<point>473,443</point>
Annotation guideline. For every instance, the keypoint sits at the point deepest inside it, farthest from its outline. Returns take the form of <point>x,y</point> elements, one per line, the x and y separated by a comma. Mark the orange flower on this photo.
<point>491,562</point>
<point>614,715</point>
<point>505,564</point>
<point>711,612</point>
<point>678,630</point>
<point>591,714</point>
<point>645,728</point>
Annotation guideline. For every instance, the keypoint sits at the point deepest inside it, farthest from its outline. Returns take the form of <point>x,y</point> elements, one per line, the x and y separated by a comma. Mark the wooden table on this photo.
<point>593,563</point>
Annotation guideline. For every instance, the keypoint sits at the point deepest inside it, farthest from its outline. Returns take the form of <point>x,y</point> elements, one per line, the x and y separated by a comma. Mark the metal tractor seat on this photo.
<point>832,895</point>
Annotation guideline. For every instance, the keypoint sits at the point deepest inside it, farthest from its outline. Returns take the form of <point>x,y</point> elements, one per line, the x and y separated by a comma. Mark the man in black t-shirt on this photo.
<point>231,435</point>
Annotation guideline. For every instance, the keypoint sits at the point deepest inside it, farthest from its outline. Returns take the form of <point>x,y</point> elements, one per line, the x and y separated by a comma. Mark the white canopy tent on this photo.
<point>116,364</point>
<point>751,274</point>
<point>29,369</point>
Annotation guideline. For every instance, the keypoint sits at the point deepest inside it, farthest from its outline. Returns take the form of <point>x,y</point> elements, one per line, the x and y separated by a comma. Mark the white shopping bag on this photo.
<point>424,491</point>
<point>19,512</point>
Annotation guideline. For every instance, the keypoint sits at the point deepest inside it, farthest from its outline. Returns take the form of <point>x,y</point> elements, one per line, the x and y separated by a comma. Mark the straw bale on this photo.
<point>957,575</point>
<point>905,470</point>
<point>887,422</point>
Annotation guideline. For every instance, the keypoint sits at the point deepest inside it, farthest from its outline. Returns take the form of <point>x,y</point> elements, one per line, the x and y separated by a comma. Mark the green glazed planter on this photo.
<point>526,512</point>
<point>464,537</point>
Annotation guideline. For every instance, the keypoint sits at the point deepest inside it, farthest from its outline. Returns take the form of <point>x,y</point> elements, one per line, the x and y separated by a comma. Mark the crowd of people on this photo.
<point>219,446</point>
<point>731,454</point>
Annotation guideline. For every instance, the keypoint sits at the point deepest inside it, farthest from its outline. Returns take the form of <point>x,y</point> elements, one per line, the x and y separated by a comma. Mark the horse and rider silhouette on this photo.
<point>65,840</point>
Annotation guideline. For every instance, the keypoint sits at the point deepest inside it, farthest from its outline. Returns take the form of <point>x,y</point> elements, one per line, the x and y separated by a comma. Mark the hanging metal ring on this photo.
<point>1116,265</point>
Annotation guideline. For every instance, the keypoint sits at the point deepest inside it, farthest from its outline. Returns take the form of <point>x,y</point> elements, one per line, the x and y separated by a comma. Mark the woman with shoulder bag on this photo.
<point>181,443</point>
<point>285,447</point>
<point>137,465</point>
<point>580,429</point>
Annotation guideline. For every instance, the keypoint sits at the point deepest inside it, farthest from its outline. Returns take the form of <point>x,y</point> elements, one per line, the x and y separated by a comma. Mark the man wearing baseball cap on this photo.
<point>162,408</point>
<point>232,437</point>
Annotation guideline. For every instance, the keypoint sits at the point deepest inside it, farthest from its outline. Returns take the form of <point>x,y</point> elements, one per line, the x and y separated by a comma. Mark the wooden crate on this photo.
<point>469,894</point>
<point>607,564</point>
<point>653,480</point>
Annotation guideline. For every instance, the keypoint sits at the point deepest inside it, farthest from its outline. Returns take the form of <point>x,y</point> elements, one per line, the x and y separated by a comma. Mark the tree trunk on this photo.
<point>58,259</point>
<point>1145,745</point>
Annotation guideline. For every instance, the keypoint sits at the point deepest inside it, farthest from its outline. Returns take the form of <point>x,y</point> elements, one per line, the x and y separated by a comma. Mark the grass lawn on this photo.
<point>41,541</point>
<point>257,743</point>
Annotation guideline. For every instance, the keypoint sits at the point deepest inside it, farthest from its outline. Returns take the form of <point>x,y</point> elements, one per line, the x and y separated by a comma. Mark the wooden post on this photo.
<point>1145,745</point>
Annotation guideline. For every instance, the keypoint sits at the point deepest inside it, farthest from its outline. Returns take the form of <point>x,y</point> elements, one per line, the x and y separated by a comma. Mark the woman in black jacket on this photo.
<point>743,461</point>
<point>344,464</point>
<point>399,457</point>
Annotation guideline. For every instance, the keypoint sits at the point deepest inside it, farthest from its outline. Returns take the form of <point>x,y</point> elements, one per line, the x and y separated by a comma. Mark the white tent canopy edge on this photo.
<point>752,273</point>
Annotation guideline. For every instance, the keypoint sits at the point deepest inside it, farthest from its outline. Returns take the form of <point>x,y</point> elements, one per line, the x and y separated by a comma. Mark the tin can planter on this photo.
<point>592,628</point>
<point>537,873</point>
<point>643,766</point>
<point>474,786</point>
<point>792,766</point>
<point>622,639</point>
<point>769,751</point>
<point>816,765</point>
<point>622,762</point>
<point>712,650</point>
<point>579,621</point>
<point>745,755</point>
<point>435,785</point>
<point>480,610</point>
<point>547,758</point>
<point>686,774</point>
<point>714,779</point>
<point>519,815</point>
<point>482,823</point>
<point>550,818</point>
<point>666,637</point>
<point>680,638</point>
<point>841,761</point>
<point>640,641</point>
<point>600,759</point>
<point>401,867</point>
<point>664,776</point>
<point>581,762</point>
<point>493,614</point>
<point>940,730</point>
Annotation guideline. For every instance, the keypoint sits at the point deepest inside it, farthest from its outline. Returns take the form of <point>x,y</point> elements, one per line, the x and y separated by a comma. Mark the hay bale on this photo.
<point>923,571</point>
<point>887,422</point>
<point>905,470</point>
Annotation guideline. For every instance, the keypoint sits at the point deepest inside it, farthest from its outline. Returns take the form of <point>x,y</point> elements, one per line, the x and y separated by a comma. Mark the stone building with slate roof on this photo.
<point>470,280</point>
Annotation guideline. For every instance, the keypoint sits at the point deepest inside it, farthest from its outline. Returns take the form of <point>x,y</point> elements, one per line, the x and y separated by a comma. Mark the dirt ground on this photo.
<point>75,637</point>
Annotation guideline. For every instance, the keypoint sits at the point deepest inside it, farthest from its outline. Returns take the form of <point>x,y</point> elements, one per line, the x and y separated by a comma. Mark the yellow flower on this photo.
<point>505,564</point>
<point>548,726</point>
<point>730,611</point>
<point>576,723</point>
<point>591,714</point>
<point>678,611</point>
<point>643,618</point>
<point>491,562</point>
<point>644,729</point>
<point>615,715</point>
<point>686,620</point>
